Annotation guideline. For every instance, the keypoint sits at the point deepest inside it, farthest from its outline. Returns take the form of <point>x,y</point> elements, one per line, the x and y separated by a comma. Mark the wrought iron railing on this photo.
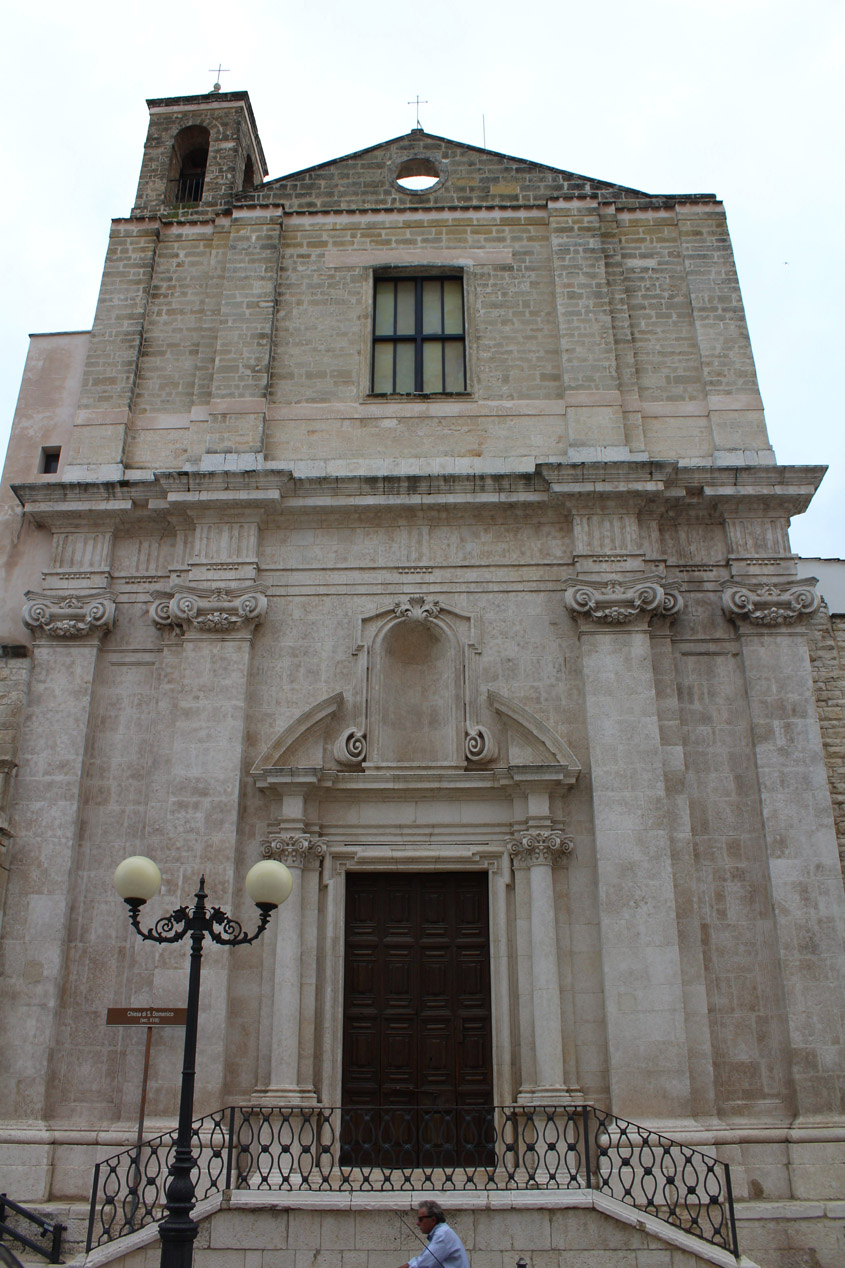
<point>189,189</point>
<point>366,1149</point>
<point>50,1233</point>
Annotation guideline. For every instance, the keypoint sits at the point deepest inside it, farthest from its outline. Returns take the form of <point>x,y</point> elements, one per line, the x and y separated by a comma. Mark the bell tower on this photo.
<point>199,153</point>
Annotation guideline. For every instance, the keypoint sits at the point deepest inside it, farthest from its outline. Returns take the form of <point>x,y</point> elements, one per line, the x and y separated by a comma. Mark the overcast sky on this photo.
<point>743,98</point>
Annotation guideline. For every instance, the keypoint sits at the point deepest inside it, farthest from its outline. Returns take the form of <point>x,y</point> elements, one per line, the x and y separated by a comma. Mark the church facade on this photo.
<point>431,541</point>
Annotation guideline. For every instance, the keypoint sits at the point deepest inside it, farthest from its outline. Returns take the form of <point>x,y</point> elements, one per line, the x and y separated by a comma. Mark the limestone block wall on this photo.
<point>161,773</point>
<point>600,321</point>
<point>44,417</point>
<point>15,667</point>
<point>233,139</point>
<point>827,657</point>
<point>144,736</point>
<point>496,1231</point>
<point>749,1043</point>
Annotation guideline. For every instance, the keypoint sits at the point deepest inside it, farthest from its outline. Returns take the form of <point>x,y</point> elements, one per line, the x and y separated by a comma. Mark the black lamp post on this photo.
<point>138,879</point>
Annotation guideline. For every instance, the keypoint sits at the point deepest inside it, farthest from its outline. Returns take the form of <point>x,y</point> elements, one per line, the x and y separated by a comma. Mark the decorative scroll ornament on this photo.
<point>71,617</point>
<point>772,603</point>
<point>210,610</point>
<point>479,745</point>
<point>294,849</point>
<point>617,602</point>
<point>417,608</point>
<point>350,747</point>
<point>539,847</point>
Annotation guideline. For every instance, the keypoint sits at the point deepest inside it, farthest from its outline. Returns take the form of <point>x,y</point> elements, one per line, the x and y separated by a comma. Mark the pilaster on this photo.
<point>727,363</point>
<point>215,625</point>
<point>809,905</point>
<point>593,401</point>
<point>643,985</point>
<point>68,629</point>
<point>538,851</point>
<point>111,367</point>
<point>289,999</point>
<point>235,422</point>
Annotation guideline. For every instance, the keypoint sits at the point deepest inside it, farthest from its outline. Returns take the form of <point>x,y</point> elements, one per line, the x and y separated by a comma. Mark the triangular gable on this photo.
<point>471,176</point>
<point>419,139</point>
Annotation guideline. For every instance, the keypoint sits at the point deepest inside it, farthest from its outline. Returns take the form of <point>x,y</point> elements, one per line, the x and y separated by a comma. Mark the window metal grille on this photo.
<point>418,335</point>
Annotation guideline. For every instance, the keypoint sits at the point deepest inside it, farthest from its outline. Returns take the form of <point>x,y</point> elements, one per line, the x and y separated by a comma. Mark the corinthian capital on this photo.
<point>71,617</point>
<point>621,602</point>
<point>539,847</point>
<point>294,849</point>
<point>771,603</point>
<point>209,609</point>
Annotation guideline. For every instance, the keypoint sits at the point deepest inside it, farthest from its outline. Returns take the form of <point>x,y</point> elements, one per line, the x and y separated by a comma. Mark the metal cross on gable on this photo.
<point>221,70</point>
<point>417,103</point>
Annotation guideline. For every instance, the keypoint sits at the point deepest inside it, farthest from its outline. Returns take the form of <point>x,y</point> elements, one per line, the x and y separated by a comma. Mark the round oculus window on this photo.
<point>419,175</point>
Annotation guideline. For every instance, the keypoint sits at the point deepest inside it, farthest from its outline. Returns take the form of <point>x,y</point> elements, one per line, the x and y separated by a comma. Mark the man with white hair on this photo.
<point>445,1249</point>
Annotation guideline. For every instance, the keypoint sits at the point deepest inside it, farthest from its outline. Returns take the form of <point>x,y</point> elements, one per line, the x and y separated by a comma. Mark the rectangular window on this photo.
<point>418,335</point>
<point>48,463</point>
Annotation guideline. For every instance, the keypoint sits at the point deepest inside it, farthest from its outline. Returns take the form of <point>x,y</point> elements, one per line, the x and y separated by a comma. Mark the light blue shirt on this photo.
<point>445,1250</point>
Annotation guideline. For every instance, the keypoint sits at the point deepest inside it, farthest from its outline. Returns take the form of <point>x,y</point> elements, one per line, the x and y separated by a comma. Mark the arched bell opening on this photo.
<point>188,163</point>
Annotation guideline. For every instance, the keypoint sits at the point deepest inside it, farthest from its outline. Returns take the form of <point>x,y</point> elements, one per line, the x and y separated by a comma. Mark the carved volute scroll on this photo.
<point>294,849</point>
<point>71,617</point>
<point>529,848</point>
<point>622,602</point>
<point>771,604</point>
<point>210,610</point>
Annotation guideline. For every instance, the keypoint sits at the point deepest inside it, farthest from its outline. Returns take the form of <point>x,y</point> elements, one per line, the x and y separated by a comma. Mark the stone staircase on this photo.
<point>72,1216</point>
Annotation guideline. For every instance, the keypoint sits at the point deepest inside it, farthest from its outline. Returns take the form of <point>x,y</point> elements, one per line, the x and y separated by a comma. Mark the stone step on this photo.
<point>74,1216</point>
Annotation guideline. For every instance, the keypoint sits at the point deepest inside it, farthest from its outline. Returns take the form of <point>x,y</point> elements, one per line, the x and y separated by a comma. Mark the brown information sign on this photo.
<point>146,1016</point>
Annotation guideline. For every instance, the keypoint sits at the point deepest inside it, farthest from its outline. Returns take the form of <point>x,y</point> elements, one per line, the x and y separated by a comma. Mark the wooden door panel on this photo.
<point>417,1028</point>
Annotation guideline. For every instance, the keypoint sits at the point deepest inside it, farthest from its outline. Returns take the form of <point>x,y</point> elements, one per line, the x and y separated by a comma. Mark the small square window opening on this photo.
<point>48,463</point>
<point>418,336</point>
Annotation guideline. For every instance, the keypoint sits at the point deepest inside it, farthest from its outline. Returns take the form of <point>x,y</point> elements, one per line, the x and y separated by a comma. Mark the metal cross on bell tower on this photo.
<point>221,70</point>
<point>416,103</point>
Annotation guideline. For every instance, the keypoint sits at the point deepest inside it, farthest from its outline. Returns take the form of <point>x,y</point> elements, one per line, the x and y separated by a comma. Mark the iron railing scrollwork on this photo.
<point>423,1148</point>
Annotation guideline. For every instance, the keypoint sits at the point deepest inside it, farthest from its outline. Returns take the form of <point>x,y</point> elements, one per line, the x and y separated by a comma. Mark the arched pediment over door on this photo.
<point>416,712</point>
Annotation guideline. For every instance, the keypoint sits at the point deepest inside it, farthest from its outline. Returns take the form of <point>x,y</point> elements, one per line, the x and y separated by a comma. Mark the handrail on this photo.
<point>423,1148</point>
<point>54,1230</point>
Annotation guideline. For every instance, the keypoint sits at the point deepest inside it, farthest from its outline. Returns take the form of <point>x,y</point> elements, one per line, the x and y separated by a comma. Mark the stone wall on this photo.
<point>827,657</point>
<point>609,320</point>
<point>14,682</point>
<point>371,1232</point>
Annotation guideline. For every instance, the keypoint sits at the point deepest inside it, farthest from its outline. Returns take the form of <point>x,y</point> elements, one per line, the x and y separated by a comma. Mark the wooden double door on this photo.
<point>417,1035</point>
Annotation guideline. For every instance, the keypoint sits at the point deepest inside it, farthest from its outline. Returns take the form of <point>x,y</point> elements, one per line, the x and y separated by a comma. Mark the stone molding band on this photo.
<point>620,601</point>
<point>69,617</point>
<point>209,609</point>
<point>294,849</point>
<point>771,603</point>
<point>529,848</point>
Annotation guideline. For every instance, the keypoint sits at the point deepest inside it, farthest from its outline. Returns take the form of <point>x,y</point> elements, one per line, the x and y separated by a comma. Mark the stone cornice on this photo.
<point>786,490</point>
<point>621,601</point>
<point>69,617</point>
<point>529,848</point>
<point>210,610</point>
<point>770,604</point>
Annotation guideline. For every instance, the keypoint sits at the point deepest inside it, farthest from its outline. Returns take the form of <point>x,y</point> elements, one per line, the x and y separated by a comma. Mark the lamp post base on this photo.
<point>177,1242</point>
